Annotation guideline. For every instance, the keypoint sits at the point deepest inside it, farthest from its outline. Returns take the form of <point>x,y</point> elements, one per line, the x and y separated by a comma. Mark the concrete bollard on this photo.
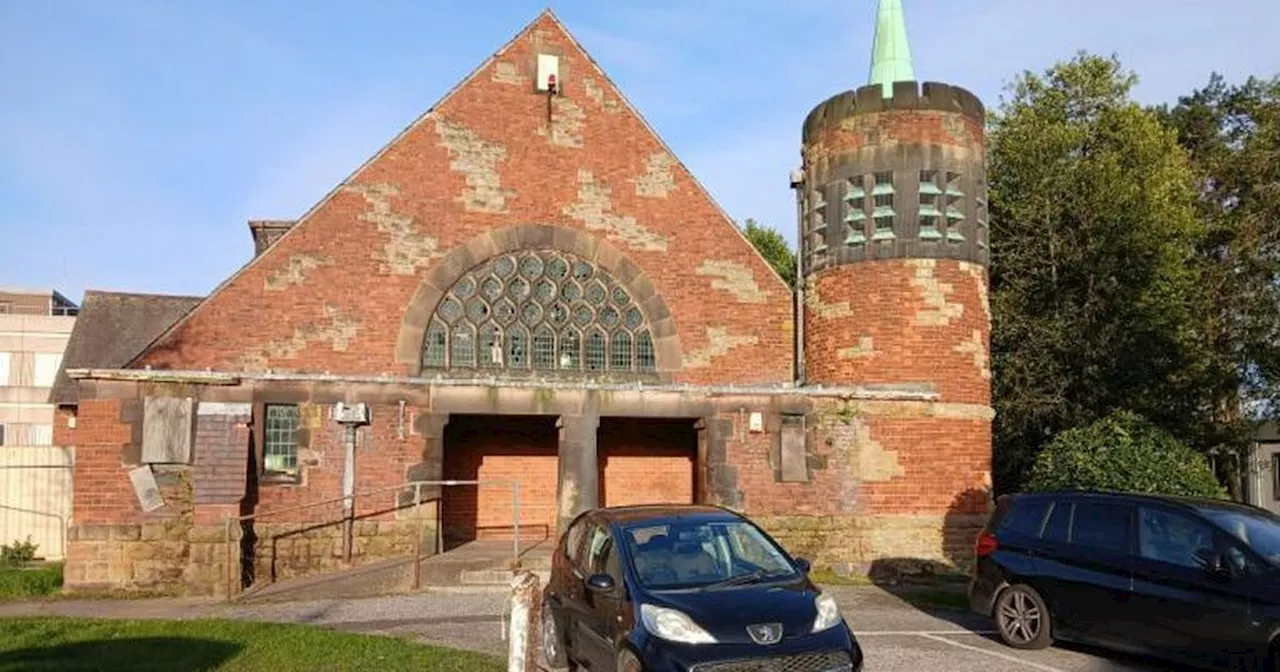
<point>525,628</point>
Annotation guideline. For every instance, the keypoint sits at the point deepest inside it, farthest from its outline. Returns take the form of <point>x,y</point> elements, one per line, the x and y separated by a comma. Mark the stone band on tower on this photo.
<point>893,253</point>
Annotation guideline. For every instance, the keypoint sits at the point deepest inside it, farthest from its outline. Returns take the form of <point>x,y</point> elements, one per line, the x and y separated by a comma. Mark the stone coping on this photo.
<point>222,378</point>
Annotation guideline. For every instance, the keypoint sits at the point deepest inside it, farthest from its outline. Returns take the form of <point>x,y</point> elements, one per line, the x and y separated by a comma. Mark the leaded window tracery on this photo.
<point>539,310</point>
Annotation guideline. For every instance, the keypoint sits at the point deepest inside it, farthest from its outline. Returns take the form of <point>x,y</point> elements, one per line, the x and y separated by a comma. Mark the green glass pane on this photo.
<point>491,288</point>
<point>582,270</point>
<point>518,290</point>
<point>531,314</point>
<point>531,267</point>
<point>634,318</point>
<point>570,291</point>
<point>465,288</point>
<point>645,360</point>
<point>504,312</point>
<point>477,310</point>
<point>594,351</point>
<point>544,349</point>
<point>557,268</point>
<point>582,315</point>
<point>559,314</point>
<point>437,342</point>
<point>450,310</point>
<point>518,350</point>
<point>570,351</point>
<point>544,290</point>
<point>609,316</point>
<point>595,293</point>
<point>620,352</point>
<point>504,266</point>
<point>463,349</point>
<point>620,296</point>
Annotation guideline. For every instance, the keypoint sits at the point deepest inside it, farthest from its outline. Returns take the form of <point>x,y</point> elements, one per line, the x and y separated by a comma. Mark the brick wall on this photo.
<point>330,295</point>
<point>385,451</point>
<point>500,449</point>
<point>221,458</point>
<point>902,321</point>
<point>646,461</point>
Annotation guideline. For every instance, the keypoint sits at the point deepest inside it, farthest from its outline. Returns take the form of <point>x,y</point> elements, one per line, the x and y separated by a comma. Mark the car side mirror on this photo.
<point>803,565</point>
<point>1212,563</point>
<point>600,583</point>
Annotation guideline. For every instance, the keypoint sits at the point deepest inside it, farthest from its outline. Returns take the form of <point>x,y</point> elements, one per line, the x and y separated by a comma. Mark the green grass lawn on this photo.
<point>93,644</point>
<point>20,584</point>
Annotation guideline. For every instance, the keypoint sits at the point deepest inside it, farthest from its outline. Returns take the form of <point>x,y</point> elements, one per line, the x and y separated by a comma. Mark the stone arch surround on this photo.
<point>448,270</point>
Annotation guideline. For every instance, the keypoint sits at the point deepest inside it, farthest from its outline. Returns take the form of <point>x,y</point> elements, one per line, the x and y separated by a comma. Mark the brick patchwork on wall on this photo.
<point>901,321</point>
<point>486,158</point>
<point>221,463</point>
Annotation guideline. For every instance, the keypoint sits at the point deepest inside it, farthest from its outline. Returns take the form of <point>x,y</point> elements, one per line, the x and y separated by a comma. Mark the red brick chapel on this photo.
<point>527,285</point>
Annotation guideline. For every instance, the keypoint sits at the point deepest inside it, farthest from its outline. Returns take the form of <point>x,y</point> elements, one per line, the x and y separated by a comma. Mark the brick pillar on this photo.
<point>219,474</point>
<point>579,486</point>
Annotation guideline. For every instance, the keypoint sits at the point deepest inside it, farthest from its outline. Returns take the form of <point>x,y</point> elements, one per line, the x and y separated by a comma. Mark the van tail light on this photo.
<point>986,544</point>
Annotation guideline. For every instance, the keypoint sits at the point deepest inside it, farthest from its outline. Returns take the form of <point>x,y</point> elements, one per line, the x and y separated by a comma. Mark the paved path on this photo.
<point>896,636</point>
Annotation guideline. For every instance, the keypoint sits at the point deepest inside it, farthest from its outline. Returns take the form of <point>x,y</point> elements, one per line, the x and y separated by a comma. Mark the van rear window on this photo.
<point>1025,517</point>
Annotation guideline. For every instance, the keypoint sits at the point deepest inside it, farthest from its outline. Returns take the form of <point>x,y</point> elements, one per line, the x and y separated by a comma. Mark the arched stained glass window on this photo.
<point>542,310</point>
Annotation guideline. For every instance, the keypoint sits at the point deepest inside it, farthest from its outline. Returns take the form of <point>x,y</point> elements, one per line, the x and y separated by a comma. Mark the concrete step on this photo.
<point>490,577</point>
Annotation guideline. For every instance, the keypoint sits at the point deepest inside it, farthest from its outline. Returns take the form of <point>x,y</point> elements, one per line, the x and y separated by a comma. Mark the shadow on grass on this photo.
<point>133,653</point>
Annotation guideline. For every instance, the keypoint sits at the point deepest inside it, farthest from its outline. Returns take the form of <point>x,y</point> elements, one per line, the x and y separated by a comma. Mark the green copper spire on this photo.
<point>891,53</point>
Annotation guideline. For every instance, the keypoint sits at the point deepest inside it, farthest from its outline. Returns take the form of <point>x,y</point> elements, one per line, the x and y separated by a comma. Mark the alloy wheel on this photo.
<point>1021,620</point>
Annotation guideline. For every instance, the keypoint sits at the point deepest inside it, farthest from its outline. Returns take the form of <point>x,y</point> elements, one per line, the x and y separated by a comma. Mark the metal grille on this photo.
<point>829,661</point>
<point>531,309</point>
<point>280,439</point>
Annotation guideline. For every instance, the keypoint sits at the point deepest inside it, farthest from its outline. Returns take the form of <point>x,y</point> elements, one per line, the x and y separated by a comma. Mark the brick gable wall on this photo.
<point>330,295</point>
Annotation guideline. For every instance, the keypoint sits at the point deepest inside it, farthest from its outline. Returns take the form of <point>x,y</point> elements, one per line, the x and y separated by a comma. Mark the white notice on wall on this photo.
<point>144,485</point>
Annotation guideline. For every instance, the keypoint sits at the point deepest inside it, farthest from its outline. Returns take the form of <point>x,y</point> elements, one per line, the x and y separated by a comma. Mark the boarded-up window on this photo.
<point>6,359</point>
<point>167,430</point>
<point>794,467</point>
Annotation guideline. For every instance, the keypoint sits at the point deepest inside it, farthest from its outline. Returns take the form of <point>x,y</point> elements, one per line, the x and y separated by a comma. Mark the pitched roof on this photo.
<point>112,329</point>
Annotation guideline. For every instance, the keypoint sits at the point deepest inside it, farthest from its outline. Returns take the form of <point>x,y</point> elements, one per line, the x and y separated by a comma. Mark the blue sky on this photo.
<point>138,137</point>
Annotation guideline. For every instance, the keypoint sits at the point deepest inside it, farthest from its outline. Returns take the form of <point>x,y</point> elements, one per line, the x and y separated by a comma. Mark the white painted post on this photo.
<point>524,628</point>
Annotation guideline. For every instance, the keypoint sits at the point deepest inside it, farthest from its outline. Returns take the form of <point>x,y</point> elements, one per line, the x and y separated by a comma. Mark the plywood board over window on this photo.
<point>168,430</point>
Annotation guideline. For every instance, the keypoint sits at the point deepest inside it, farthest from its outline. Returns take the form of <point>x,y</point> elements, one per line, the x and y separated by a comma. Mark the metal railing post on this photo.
<point>417,536</point>
<point>515,506</point>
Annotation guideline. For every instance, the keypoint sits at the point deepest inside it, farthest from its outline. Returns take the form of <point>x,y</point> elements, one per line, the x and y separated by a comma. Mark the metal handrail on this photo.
<point>62,522</point>
<point>417,506</point>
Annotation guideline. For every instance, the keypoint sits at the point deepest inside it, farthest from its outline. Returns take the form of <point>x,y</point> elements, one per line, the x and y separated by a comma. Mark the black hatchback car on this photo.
<point>686,588</point>
<point>1188,580</point>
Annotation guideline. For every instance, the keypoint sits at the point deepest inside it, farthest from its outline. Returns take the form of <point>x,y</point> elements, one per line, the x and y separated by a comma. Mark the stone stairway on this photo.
<point>480,565</point>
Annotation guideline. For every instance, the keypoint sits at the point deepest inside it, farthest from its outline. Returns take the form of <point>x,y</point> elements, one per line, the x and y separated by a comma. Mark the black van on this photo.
<point>1192,581</point>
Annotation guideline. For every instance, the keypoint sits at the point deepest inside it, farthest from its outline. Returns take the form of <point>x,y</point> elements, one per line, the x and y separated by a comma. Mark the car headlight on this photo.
<point>673,626</point>
<point>828,613</point>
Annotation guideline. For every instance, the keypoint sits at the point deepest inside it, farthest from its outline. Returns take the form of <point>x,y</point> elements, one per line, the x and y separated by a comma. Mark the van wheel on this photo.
<point>554,656</point>
<point>1023,618</point>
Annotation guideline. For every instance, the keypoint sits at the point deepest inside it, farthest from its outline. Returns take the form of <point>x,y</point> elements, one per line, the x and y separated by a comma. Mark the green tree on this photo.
<point>770,243</point>
<point>1123,452</point>
<point>1232,134</point>
<point>1094,305</point>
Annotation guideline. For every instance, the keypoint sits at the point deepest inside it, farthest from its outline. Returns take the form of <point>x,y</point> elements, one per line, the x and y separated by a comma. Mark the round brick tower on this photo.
<point>893,237</point>
<point>893,254</point>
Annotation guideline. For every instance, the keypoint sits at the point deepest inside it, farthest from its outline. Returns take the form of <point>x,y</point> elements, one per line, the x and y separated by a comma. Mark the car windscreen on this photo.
<point>1259,531</point>
<point>681,555</point>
